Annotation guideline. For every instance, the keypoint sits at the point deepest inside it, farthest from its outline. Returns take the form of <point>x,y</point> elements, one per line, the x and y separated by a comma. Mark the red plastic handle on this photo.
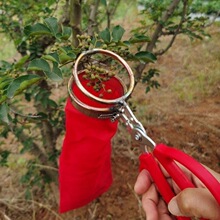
<point>167,157</point>
<point>148,162</point>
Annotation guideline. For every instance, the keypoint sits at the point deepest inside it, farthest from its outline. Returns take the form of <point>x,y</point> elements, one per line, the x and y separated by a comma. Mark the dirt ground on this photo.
<point>190,124</point>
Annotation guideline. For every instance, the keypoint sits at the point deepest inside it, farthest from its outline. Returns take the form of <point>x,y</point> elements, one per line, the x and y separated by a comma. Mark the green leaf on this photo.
<point>55,74</point>
<point>66,33</point>
<point>57,71</point>
<point>4,113</point>
<point>4,65</point>
<point>104,2</point>
<point>39,65</point>
<point>22,61</point>
<point>63,57</point>
<point>52,103</point>
<point>4,82</point>
<point>145,56</point>
<point>28,194</point>
<point>4,157</point>
<point>3,98</point>
<point>139,39</point>
<point>117,33</point>
<point>52,24</point>
<point>105,35</point>
<point>126,43</point>
<point>21,83</point>
<point>72,55</point>
<point>51,57</point>
<point>37,29</point>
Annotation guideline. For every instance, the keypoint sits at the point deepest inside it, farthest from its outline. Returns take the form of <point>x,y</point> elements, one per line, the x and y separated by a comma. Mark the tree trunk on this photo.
<point>75,20</point>
<point>92,17</point>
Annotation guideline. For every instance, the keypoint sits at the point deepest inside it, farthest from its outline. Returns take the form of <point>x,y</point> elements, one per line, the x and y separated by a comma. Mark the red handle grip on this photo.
<point>167,157</point>
<point>148,162</point>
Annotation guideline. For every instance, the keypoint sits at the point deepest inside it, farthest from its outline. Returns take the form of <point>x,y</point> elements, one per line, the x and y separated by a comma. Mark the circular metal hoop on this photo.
<point>97,112</point>
<point>109,105</point>
<point>116,57</point>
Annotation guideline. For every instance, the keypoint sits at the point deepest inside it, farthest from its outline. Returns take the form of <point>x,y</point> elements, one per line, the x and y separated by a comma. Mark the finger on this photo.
<point>150,202</point>
<point>143,182</point>
<point>163,211</point>
<point>195,202</point>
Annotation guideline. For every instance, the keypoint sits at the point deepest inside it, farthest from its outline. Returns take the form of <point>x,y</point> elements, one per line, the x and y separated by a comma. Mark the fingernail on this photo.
<point>173,207</point>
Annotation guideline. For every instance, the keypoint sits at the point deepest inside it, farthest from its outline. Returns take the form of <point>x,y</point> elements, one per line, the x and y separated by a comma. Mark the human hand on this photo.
<point>191,202</point>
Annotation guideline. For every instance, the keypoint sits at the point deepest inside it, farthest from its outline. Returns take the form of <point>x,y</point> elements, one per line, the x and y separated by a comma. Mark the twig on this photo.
<point>4,216</point>
<point>45,167</point>
<point>93,212</point>
<point>27,116</point>
<point>41,205</point>
<point>44,206</point>
<point>7,203</point>
<point>33,207</point>
<point>139,201</point>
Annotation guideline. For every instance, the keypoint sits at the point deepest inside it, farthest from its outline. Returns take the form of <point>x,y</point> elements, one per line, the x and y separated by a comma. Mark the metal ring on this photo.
<point>115,56</point>
<point>97,112</point>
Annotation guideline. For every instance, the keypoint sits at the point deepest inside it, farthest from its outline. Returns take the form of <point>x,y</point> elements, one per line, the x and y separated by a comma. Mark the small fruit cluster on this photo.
<point>84,41</point>
<point>98,75</point>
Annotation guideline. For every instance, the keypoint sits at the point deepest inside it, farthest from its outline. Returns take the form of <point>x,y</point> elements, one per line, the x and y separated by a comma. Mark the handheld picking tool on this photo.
<point>101,106</point>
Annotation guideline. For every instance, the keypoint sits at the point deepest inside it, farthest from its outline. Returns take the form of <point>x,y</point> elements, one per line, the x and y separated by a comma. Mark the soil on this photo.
<point>190,125</point>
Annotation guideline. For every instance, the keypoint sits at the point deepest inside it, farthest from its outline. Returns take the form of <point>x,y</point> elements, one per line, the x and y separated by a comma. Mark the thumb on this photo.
<point>195,202</point>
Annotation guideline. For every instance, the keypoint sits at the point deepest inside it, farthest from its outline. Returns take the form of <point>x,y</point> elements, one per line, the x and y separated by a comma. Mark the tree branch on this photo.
<point>157,33</point>
<point>75,20</point>
<point>111,12</point>
<point>92,17</point>
<point>47,131</point>
<point>177,31</point>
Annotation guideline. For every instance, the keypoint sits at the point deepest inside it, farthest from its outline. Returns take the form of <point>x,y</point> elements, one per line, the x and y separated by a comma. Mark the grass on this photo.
<point>196,87</point>
<point>199,71</point>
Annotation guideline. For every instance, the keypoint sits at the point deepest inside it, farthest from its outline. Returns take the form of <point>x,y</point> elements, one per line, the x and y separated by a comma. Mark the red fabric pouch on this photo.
<point>85,160</point>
